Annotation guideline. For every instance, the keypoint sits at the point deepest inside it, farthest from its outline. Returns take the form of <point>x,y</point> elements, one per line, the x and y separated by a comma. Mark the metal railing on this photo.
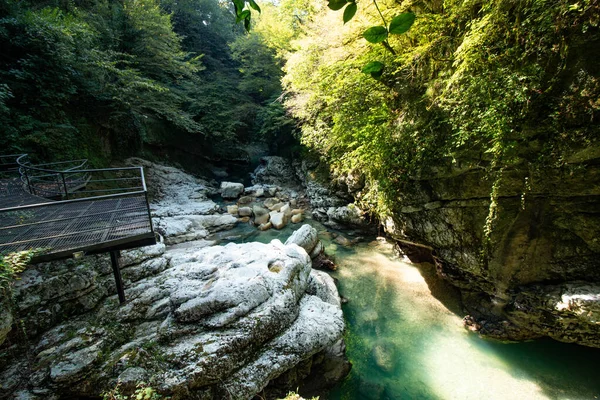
<point>91,207</point>
<point>98,210</point>
<point>53,180</point>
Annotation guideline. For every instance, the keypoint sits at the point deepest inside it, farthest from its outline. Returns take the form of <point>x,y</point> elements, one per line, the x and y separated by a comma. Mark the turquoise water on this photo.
<point>405,337</point>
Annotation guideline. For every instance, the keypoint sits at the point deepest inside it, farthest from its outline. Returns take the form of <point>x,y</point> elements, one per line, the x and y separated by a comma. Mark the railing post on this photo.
<point>28,183</point>
<point>62,175</point>
<point>115,255</point>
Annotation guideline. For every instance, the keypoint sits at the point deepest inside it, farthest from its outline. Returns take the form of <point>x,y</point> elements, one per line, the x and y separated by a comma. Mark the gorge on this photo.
<point>440,158</point>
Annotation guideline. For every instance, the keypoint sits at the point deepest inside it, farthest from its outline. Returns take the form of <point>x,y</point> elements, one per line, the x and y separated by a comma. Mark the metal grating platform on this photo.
<point>106,210</point>
<point>59,229</point>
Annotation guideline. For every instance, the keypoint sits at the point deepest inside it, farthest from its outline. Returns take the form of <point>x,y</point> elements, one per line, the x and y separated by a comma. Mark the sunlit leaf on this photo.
<point>239,6</point>
<point>349,12</point>
<point>254,5</point>
<point>373,67</point>
<point>243,16</point>
<point>376,34</point>
<point>402,23</point>
<point>336,4</point>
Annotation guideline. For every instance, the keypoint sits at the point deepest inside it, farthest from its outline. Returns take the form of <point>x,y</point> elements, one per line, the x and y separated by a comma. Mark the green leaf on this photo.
<point>254,5</point>
<point>402,23</point>
<point>243,16</point>
<point>349,12</point>
<point>376,34</point>
<point>373,66</point>
<point>247,22</point>
<point>239,6</point>
<point>336,4</point>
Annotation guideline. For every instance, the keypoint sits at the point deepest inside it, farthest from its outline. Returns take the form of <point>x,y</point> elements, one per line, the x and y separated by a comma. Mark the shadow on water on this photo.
<point>561,370</point>
<point>447,294</point>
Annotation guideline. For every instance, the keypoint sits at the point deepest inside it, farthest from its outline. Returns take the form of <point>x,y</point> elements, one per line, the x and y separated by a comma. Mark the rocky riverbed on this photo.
<point>202,321</point>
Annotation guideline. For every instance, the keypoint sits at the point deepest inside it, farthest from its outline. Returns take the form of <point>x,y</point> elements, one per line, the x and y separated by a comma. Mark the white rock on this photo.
<point>231,190</point>
<point>278,219</point>
<point>305,237</point>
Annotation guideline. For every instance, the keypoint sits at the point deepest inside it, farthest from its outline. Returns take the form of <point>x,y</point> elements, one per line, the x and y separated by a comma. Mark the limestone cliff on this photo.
<point>541,274</point>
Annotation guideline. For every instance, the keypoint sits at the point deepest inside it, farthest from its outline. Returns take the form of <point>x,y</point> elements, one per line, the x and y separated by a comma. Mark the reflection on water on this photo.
<point>406,341</point>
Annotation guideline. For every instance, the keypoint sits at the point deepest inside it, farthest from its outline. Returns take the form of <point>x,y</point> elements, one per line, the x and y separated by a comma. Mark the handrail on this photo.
<point>24,164</point>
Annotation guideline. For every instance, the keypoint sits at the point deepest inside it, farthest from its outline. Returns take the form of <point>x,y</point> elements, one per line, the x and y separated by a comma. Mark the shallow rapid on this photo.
<point>405,337</point>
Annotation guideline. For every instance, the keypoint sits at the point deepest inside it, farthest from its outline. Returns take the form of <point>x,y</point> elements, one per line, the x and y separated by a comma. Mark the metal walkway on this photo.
<point>63,209</point>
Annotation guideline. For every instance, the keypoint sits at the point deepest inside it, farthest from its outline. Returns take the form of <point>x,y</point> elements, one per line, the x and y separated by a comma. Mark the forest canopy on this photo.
<point>98,78</point>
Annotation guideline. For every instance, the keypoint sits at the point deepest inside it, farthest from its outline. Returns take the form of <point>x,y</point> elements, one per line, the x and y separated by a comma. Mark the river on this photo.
<point>405,337</point>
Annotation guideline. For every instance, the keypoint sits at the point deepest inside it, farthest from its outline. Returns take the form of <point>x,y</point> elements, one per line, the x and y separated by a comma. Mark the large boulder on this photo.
<point>174,192</point>
<point>218,322</point>
<point>185,228</point>
<point>305,237</point>
<point>231,190</point>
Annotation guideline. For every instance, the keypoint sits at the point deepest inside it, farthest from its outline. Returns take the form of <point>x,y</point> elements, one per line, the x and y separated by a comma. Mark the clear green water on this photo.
<point>406,341</point>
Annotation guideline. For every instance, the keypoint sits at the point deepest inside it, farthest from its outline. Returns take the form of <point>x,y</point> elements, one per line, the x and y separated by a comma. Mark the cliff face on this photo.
<point>541,276</point>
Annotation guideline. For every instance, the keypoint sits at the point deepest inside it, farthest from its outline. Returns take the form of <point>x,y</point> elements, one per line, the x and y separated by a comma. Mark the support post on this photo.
<point>115,255</point>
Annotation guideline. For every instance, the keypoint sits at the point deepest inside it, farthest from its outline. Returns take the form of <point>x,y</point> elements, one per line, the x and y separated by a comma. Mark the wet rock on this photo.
<point>245,212</point>
<point>245,200</point>
<point>296,218</point>
<point>297,211</point>
<point>231,190</point>
<point>261,215</point>
<point>344,241</point>
<point>270,202</point>
<point>277,207</point>
<point>244,219</point>
<point>384,356</point>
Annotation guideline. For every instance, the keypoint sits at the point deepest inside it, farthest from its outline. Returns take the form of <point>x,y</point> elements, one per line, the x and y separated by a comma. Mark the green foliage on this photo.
<point>142,392</point>
<point>11,266</point>
<point>402,23</point>
<point>376,34</point>
<point>473,84</point>
<point>95,78</point>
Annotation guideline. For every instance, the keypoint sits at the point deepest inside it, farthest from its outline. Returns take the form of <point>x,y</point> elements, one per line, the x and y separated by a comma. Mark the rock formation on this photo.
<point>201,321</point>
<point>541,273</point>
